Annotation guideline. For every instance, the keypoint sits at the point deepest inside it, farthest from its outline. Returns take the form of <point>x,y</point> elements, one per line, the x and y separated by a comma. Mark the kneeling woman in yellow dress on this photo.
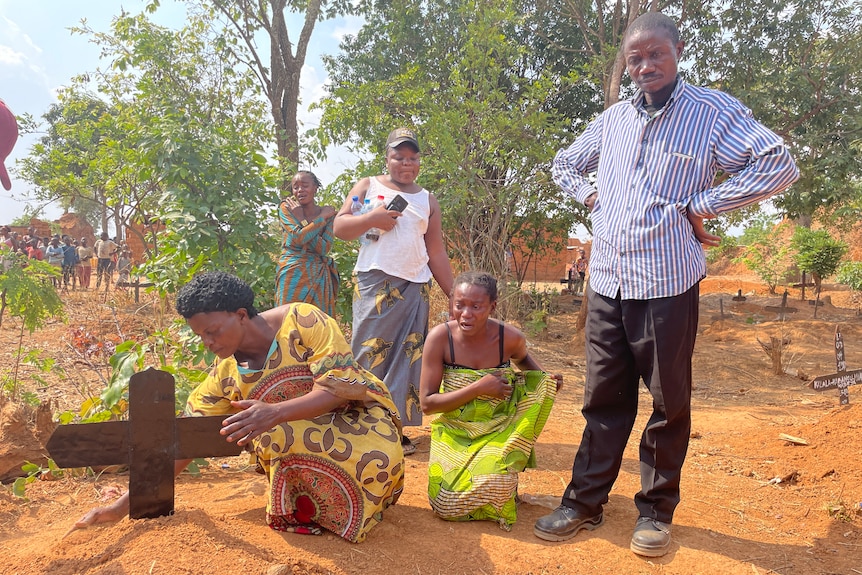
<point>324,430</point>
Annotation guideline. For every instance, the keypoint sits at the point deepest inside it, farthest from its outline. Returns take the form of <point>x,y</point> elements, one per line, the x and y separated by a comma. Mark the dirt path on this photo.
<point>735,518</point>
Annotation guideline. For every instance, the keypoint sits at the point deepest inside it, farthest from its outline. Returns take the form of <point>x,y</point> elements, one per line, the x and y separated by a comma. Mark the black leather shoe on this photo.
<point>564,523</point>
<point>651,537</point>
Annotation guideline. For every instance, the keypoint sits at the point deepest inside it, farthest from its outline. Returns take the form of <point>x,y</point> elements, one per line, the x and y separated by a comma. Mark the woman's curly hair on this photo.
<point>215,291</point>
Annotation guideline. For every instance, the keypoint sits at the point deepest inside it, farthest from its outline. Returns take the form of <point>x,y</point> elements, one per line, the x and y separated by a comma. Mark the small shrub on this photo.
<point>817,252</point>
<point>850,274</point>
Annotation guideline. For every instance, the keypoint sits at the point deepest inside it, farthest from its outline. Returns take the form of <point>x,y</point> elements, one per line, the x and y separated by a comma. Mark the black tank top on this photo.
<point>503,364</point>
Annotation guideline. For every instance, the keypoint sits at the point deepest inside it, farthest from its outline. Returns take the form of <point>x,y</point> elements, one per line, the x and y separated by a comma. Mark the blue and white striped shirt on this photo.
<point>650,171</point>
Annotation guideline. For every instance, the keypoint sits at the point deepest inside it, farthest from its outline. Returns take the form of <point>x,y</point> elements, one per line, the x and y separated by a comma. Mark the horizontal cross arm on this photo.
<point>199,437</point>
<point>90,444</point>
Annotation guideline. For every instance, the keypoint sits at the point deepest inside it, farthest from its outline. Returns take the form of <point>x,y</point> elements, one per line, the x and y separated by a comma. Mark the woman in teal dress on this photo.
<point>490,415</point>
<point>306,272</point>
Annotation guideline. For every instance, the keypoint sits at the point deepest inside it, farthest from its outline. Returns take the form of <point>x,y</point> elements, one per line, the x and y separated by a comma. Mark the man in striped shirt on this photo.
<point>655,159</point>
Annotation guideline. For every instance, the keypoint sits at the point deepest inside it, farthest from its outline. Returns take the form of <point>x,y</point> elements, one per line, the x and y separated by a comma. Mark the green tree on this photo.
<point>463,73</point>
<point>192,130</point>
<point>796,66</point>
<point>817,252</point>
<point>278,74</point>
<point>27,293</point>
<point>65,164</point>
<point>767,258</point>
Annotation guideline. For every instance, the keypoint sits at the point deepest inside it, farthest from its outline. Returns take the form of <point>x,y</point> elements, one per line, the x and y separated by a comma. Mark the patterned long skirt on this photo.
<point>338,471</point>
<point>390,322</point>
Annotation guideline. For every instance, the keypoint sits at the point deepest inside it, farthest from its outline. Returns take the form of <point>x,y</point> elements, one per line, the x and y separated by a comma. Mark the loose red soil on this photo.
<point>752,503</point>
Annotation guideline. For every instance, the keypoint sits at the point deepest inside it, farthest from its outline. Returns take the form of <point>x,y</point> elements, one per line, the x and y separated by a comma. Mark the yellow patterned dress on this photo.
<point>338,471</point>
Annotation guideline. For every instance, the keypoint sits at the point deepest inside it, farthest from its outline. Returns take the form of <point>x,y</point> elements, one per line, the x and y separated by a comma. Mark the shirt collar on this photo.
<point>638,99</point>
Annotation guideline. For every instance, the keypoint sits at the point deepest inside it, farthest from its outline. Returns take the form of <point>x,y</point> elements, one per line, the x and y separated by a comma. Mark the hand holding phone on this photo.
<point>398,203</point>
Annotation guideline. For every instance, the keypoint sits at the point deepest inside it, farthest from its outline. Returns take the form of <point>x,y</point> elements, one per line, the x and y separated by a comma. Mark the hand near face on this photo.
<point>291,203</point>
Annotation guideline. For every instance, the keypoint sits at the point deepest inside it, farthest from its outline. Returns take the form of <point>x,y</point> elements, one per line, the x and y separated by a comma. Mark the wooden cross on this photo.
<point>781,310</point>
<point>149,443</point>
<point>137,284</point>
<point>843,379</point>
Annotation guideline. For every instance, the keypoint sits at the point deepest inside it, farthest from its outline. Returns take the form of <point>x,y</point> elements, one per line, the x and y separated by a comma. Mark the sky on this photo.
<point>39,54</point>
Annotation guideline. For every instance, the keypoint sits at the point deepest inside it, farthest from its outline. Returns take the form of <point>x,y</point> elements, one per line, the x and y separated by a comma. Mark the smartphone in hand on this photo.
<point>398,204</point>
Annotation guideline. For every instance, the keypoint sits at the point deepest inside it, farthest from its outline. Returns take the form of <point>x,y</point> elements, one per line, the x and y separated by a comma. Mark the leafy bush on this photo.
<point>177,351</point>
<point>850,274</point>
<point>817,252</point>
<point>27,292</point>
<point>769,259</point>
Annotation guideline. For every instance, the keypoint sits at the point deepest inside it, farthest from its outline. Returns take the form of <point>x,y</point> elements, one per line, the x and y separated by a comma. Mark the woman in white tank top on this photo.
<point>393,273</point>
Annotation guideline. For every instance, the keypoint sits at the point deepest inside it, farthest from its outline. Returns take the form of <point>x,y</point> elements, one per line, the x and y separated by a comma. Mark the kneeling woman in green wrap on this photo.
<point>490,414</point>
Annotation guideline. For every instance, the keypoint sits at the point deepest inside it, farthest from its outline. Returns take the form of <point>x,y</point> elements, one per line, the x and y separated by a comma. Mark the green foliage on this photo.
<point>817,252</point>
<point>177,351</point>
<point>70,164</point>
<point>179,145</point>
<point>796,66</point>
<point>344,254</point>
<point>535,309</point>
<point>462,74</point>
<point>769,259</point>
<point>34,472</point>
<point>27,293</point>
<point>728,246</point>
<point>850,274</point>
<point>249,23</point>
<point>42,365</point>
<point>195,465</point>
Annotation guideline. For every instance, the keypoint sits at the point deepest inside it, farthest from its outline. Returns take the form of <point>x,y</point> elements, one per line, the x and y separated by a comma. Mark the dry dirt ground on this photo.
<point>752,503</point>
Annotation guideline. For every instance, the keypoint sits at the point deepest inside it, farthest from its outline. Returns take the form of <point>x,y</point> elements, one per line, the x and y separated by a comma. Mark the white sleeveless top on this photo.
<point>401,251</point>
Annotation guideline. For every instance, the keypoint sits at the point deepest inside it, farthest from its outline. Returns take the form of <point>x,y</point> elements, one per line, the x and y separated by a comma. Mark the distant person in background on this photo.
<point>85,268</point>
<point>34,250</point>
<point>8,137</point>
<point>105,249</point>
<point>54,255</point>
<point>124,267</point>
<point>580,271</point>
<point>305,270</point>
<point>6,238</point>
<point>8,247</point>
<point>70,262</point>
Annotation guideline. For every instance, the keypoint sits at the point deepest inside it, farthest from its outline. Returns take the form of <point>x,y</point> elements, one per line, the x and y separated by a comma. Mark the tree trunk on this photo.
<point>775,354</point>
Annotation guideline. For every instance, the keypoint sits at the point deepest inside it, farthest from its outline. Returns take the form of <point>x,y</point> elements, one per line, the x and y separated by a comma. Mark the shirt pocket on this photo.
<point>678,177</point>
